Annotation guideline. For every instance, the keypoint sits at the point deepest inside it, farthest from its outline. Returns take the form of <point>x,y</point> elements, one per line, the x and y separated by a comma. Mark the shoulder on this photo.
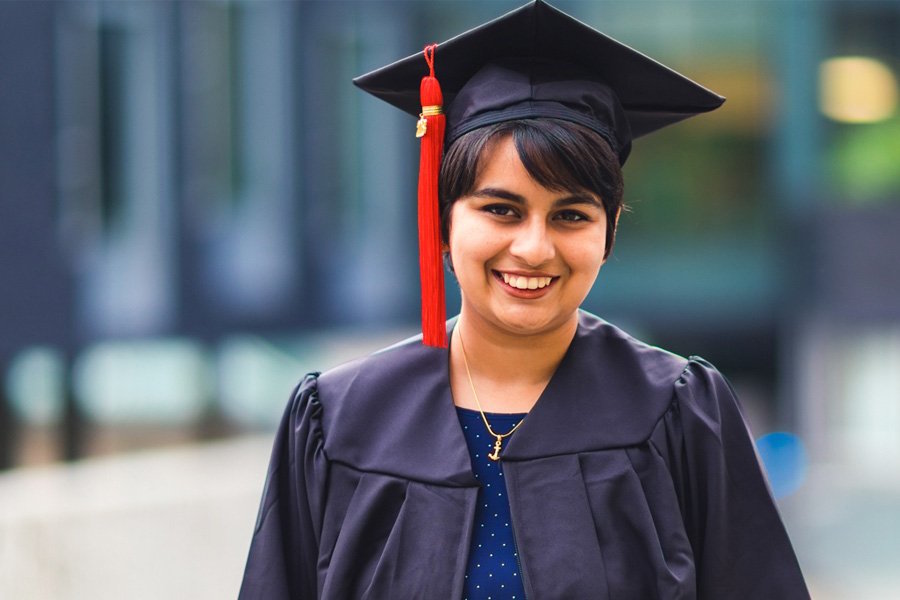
<point>610,391</point>
<point>639,379</point>
<point>654,384</point>
<point>388,412</point>
<point>645,364</point>
<point>379,373</point>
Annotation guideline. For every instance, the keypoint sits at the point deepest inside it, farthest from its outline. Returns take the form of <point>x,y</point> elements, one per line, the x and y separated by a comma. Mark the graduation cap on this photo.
<point>534,62</point>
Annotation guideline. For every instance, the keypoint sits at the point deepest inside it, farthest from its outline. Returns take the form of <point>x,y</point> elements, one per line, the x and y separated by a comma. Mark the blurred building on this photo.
<point>193,198</point>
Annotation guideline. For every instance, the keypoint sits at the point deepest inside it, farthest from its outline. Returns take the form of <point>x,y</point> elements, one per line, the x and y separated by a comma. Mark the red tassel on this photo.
<point>430,129</point>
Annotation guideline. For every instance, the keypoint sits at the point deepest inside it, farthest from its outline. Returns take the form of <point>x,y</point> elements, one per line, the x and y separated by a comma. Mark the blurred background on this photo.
<point>197,207</point>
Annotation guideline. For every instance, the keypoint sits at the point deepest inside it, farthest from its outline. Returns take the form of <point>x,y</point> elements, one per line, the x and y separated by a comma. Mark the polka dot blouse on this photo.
<point>492,572</point>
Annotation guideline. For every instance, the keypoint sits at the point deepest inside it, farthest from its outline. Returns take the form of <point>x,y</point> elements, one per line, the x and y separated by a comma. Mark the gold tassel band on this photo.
<point>427,111</point>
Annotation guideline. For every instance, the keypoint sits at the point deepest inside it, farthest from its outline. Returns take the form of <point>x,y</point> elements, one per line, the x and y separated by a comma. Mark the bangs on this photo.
<point>563,159</point>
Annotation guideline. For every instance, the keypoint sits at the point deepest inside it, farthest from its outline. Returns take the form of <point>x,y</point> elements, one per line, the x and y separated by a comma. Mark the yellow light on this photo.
<point>856,89</point>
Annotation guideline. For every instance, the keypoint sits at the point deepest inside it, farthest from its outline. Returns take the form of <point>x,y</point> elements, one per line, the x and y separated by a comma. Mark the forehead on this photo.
<point>499,152</point>
<point>499,161</point>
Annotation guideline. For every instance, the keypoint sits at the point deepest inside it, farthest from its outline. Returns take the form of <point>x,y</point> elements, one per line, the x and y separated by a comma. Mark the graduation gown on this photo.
<point>633,477</point>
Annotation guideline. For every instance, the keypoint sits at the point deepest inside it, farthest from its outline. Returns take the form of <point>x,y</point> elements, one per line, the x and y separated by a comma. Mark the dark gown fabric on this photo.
<point>633,477</point>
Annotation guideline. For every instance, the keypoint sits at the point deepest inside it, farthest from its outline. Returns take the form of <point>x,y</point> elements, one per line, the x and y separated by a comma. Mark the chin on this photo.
<point>529,323</point>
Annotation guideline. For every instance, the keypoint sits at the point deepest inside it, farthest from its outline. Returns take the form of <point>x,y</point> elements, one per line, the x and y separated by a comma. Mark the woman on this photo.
<point>545,454</point>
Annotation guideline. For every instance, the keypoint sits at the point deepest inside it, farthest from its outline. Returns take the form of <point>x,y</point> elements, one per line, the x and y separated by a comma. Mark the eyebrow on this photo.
<point>490,192</point>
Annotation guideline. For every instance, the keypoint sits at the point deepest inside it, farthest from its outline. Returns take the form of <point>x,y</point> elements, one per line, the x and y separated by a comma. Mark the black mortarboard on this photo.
<point>537,61</point>
<point>534,62</point>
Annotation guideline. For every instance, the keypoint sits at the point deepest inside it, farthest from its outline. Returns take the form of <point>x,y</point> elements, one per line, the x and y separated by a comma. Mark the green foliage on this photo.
<point>864,162</point>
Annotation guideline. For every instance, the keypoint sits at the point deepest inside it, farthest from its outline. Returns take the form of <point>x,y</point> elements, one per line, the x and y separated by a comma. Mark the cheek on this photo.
<point>599,246</point>
<point>462,229</point>
<point>587,256</point>
<point>589,261</point>
<point>469,248</point>
<point>473,246</point>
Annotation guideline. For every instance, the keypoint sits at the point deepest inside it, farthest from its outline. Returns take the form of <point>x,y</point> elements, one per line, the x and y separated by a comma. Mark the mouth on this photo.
<point>523,282</point>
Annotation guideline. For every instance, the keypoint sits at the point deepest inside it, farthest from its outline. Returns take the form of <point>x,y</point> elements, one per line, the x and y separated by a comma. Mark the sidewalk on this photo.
<point>171,524</point>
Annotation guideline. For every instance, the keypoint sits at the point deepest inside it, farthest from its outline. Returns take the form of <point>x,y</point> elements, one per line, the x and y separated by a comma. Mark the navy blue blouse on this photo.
<point>492,572</point>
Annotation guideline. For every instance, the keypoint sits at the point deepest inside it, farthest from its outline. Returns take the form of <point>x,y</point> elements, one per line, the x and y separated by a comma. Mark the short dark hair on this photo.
<point>559,155</point>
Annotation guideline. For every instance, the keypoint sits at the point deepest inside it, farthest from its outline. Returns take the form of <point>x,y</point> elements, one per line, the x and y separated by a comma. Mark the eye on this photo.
<point>572,216</point>
<point>501,210</point>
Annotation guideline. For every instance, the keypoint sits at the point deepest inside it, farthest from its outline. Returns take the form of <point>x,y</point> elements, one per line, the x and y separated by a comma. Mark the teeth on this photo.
<point>526,283</point>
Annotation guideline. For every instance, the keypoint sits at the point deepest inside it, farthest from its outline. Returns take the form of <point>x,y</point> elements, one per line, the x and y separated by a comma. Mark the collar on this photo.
<point>393,413</point>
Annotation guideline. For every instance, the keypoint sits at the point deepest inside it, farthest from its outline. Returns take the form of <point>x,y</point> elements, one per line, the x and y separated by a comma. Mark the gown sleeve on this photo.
<point>741,548</point>
<point>284,548</point>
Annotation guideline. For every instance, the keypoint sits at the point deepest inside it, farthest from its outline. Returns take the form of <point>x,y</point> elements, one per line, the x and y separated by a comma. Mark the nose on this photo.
<point>533,244</point>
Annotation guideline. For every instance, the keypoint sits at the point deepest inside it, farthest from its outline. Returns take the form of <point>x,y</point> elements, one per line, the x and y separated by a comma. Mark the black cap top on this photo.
<point>537,61</point>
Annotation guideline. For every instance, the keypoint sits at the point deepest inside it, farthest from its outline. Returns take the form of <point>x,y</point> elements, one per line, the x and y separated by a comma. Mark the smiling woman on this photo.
<point>543,453</point>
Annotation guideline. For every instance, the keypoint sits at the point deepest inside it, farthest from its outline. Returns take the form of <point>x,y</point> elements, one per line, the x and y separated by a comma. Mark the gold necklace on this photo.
<point>499,436</point>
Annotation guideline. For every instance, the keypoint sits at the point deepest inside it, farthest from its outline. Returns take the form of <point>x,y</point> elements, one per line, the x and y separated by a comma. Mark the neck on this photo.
<point>508,371</point>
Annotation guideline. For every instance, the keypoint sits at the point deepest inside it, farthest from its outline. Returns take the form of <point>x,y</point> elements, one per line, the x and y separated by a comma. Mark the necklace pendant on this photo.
<point>496,453</point>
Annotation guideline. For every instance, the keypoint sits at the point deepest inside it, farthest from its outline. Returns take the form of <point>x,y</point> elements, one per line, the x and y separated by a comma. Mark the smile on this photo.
<point>525,283</point>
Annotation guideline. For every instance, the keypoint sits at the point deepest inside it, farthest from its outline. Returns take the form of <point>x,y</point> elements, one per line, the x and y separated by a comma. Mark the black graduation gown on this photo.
<point>633,477</point>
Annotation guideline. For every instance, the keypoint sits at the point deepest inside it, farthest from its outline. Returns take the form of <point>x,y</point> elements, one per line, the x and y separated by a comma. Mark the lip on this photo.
<point>527,294</point>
